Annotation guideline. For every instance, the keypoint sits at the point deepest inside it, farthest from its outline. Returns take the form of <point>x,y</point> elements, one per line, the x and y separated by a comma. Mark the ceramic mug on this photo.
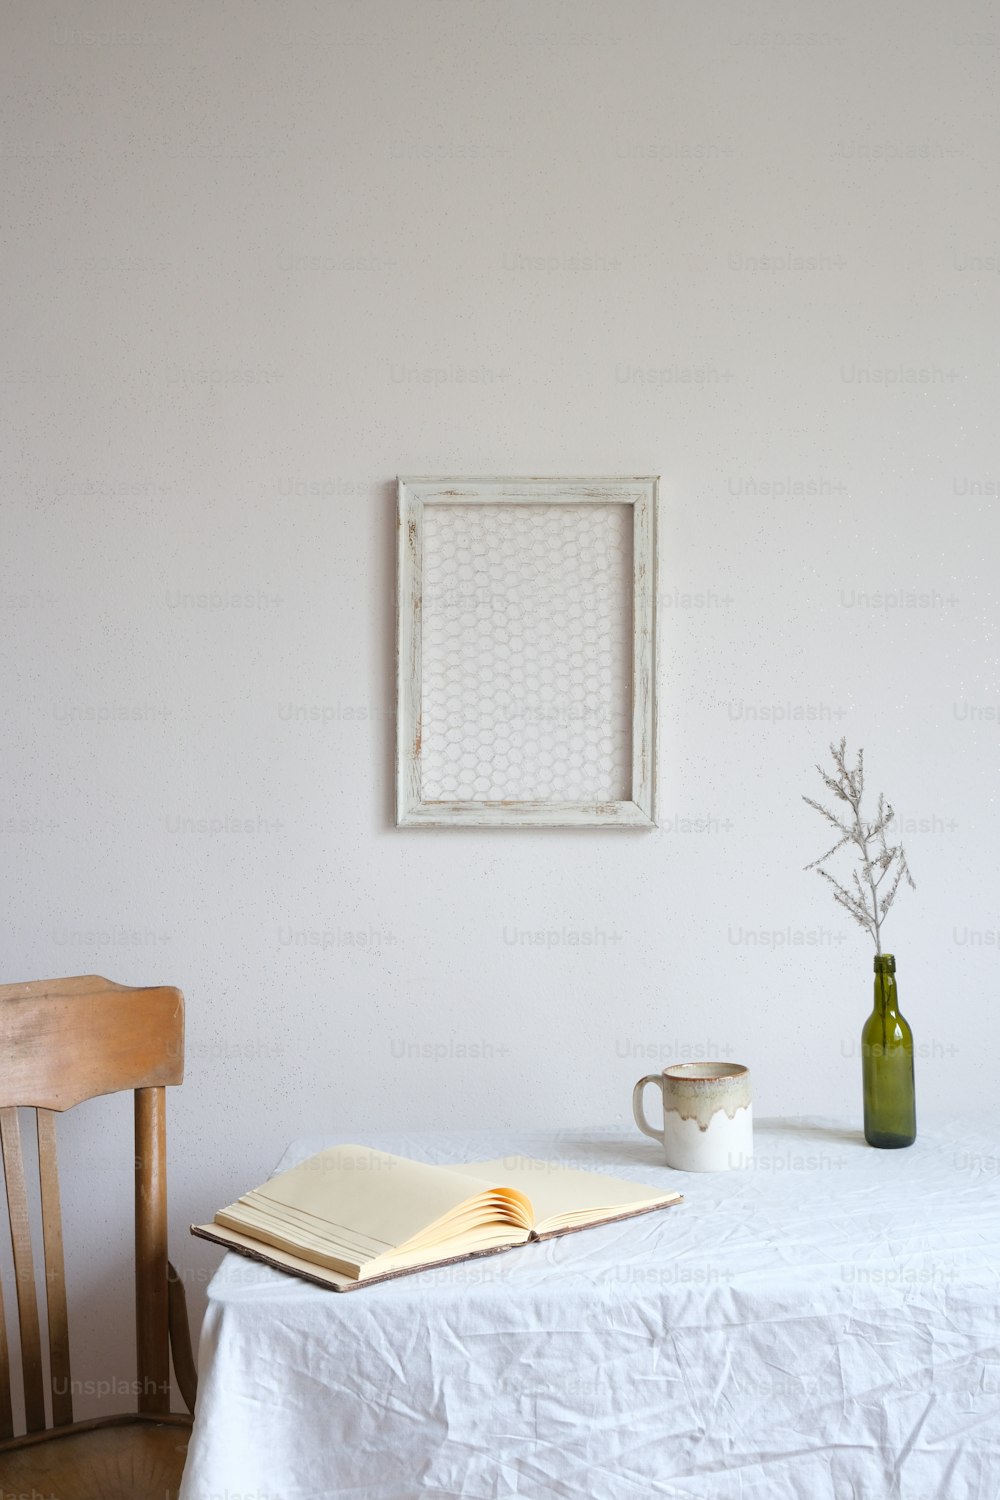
<point>707,1115</point>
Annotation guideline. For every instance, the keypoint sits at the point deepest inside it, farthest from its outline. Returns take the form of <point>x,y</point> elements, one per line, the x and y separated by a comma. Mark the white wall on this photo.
<point>261,258</point>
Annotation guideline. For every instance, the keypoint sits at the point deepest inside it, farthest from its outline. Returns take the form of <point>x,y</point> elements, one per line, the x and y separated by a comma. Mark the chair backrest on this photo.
<point>63,1041</point>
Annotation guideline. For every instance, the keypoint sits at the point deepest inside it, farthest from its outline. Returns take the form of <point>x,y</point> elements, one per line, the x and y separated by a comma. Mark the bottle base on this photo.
<point>886,1142</point>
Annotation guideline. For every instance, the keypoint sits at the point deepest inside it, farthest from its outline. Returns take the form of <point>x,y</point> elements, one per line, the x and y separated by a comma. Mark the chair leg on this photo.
<point>185,1368</point>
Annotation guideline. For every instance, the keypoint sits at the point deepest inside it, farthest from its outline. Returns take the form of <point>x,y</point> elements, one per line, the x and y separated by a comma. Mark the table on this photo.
<point>822,1325</point>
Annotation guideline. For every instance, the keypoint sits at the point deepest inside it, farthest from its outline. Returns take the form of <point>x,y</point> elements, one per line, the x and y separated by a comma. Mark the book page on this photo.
<point>271,1255</point>
<point>309,1270</point>
<point>377,1198</point>
<point>565,1195</point>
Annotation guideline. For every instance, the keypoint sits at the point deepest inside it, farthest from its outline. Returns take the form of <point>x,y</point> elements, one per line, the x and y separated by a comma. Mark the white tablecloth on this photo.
<point>822,1325</point>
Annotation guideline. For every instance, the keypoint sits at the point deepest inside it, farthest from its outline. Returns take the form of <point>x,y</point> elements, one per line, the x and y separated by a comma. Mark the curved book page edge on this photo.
<point>294,1265</point>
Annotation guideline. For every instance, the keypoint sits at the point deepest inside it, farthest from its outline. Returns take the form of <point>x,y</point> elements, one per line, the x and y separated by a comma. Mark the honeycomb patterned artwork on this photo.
<point>526,652</point>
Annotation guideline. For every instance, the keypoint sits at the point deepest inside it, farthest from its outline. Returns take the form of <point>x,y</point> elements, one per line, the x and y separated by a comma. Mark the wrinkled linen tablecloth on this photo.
<point>821,1325</point>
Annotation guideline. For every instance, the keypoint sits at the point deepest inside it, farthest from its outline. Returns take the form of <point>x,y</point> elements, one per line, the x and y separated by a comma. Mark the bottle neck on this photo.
<point>886,997</point>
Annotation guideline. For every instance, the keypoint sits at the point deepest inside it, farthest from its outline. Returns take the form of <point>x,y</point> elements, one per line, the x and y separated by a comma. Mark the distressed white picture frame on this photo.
<point>429,715</point>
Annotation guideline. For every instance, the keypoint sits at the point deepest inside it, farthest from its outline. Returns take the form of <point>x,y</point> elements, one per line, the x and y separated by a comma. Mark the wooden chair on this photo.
<point>63,1041</point>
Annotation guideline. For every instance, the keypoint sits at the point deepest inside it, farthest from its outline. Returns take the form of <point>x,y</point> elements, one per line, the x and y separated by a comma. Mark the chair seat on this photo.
<point>133,1460</point>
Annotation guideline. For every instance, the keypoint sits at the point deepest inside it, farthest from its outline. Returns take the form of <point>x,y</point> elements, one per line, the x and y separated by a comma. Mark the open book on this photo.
<point>351,1215</point>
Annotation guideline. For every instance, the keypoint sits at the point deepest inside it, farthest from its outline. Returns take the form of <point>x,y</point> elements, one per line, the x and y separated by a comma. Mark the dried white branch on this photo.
<point>877,857</point>
<point>824,857</point>
<point>848,902</point>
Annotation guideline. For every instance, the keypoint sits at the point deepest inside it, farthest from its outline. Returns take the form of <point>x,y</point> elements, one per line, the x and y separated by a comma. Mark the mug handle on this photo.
<point>637,1110</point>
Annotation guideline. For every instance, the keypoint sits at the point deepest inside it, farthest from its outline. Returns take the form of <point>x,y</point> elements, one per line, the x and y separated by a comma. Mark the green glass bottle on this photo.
<point>887,1065</point>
